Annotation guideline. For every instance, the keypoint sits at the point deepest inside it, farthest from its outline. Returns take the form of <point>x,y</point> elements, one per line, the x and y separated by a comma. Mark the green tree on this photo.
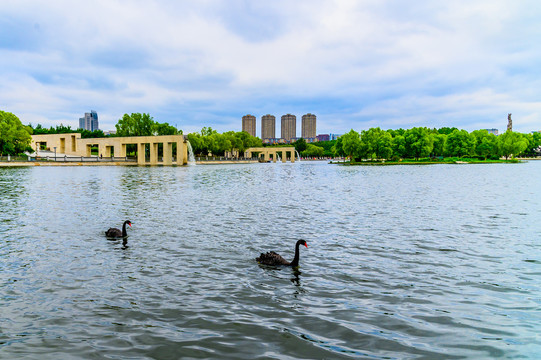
<point>136,124</point>
<point>300,145</point>
<point>446,130</point>
<point>419,142</point>
<point>337,148</point>
<point>38,130</point>
<point>207,131</point>
<point>398,144</point>
<point>164,129</point>
<point>234,141</point>
<point>210,141</point>
<point>59,129</point>
<point>243,141</point>
<point>397,132</point>
<point>512,144</point>
<point>376,143</point>
<point>351,144</point>
<point>14,136</point>
<point>219,144</point>
<point>87,134</point>
<point>312,151</point>
<point>485,144</point>
<point>196,142</point>
<point>534,144</point>
<point>327,147</point>
<point>460,143</point>
<point>439,144</point>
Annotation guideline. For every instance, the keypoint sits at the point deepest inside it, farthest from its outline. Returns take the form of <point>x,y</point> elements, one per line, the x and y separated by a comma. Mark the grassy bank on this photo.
<point>430,161</point>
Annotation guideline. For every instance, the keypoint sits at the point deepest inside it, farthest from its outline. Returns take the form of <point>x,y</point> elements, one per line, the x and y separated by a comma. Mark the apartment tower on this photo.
<point>289,127</point>
<point>90,121</point>
<point>308,126</point>
<point>248,124</point>
<point>268,127</point>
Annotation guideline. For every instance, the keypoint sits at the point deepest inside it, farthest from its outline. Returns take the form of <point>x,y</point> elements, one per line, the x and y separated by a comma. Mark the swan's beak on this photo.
<point>129,224</point>
<point>306,245</point>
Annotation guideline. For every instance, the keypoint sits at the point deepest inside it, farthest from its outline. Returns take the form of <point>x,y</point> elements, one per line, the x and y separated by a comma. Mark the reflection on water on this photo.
<point>296,277</point>
<point>404,262</point>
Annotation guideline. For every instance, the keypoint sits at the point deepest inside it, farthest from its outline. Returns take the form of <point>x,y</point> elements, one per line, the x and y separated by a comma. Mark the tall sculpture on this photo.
<point>509,123</point>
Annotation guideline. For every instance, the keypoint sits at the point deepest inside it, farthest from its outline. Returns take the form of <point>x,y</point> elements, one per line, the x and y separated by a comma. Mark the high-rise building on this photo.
<point>308,126</point>
<point>90,121</point>
<point>268,127</point>
<point>248,124</point>
<point>289,127</point>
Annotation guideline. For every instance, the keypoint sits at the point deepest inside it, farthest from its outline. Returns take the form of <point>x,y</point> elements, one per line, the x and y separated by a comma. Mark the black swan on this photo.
<point>272,258</point>
<point>116,233</point>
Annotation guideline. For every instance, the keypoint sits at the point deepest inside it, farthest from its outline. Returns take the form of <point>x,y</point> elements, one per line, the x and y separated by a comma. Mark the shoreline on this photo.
<point>110,163</point>
<point>394,163</point>
<point>50,163</point>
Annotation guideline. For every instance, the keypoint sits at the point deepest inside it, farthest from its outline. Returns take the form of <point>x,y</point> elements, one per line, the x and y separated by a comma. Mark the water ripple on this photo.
<point>403,262</point>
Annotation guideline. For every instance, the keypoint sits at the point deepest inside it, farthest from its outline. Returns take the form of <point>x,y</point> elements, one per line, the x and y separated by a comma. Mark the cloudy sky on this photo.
<point>355,64</point>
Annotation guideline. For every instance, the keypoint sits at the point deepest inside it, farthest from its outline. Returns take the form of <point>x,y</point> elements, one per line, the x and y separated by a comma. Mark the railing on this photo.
<point>87,159</point>
<point>66,158</point>
<point>223,158</point>
<point>13,158</point>
<point>126,159</point>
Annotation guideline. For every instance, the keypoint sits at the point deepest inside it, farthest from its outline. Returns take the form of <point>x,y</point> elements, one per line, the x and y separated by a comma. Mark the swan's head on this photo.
<point>302,242</point>
<point>128,222</point>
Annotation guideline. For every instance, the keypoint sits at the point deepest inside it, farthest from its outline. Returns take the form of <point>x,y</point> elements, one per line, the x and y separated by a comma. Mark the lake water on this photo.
<point>403,262</point>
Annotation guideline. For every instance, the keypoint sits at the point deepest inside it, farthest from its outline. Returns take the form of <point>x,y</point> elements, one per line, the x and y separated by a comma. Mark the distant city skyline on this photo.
<point>288,127</point>
<point>355,64</point>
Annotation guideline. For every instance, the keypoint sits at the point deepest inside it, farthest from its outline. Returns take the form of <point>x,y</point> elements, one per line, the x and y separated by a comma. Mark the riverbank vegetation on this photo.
<point>436,145</point>
<point>209,141</point>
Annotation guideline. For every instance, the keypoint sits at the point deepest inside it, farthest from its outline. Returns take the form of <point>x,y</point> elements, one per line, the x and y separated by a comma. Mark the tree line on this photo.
<point>374,143</point>
<point>62,129</point>
<point>423,142</point>
<point>209,141</point>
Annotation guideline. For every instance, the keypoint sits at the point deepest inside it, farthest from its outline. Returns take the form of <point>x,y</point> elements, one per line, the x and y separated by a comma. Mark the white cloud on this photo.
<point>206,63</point>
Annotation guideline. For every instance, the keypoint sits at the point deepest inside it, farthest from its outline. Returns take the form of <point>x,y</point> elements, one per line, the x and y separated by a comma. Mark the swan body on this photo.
<point>272,258</point>
<point>116,233</point>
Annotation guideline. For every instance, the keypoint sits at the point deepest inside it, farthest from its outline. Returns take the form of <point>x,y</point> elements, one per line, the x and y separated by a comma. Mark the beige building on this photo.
<point>161,150</point>
<point>268,127</point>
<point>289,127</point>
<point>308,126</point>
<point>272,153</point>
<point>248,124</point>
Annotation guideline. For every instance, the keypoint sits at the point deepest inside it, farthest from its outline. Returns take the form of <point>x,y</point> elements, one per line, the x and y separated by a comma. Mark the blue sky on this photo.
<point>355,64</point>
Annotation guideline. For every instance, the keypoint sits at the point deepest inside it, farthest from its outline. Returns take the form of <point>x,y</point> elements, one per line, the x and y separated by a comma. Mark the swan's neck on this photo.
<point>124,233</point>
<point>295,261</point>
